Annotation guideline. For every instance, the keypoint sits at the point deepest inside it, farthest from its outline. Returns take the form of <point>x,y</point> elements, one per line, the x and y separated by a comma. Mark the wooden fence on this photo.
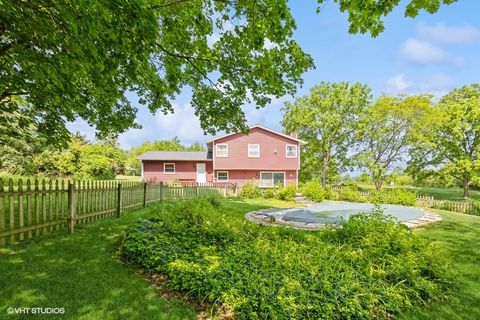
<point>36,207</point>
<point>461,206</point>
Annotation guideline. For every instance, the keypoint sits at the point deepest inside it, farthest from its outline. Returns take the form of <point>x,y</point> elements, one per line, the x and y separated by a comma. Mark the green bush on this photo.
<point>394,196</point>
<point>313,190</point>
<point>269,193</point>
<point>351,195</point>
<point>372,267</point>
<point>250,190</point>
<point>286,193</point>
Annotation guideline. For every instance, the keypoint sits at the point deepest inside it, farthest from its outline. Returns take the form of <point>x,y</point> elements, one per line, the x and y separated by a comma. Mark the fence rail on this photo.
<point>36,207</point>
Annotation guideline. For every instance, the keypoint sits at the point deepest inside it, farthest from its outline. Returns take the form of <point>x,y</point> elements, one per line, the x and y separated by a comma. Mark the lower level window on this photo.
<point>222,176</point>
<point>271,179</point>
<point>169,167</point>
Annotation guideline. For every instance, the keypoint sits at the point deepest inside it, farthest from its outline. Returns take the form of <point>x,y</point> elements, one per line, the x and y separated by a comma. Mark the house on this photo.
<point>266,155</point>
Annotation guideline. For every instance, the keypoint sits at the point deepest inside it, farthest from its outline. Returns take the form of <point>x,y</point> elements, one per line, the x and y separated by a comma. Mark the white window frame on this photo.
<point>169,163</point>
<point>296,151</point>
<point>226,150</point>
<point>254,156</point>
<point>273,179</point>
<point>218,180</point>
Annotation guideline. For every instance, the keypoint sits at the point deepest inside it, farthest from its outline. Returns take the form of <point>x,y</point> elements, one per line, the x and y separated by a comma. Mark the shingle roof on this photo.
<point>176,155</point>
<point>261,127</point>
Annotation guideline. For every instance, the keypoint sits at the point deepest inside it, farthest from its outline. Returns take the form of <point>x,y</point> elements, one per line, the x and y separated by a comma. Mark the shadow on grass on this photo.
<point>81,274</point>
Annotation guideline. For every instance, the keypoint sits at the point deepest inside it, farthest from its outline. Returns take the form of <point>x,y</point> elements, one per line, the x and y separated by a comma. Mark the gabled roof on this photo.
<point>177,155</point>
<point>264,128</point>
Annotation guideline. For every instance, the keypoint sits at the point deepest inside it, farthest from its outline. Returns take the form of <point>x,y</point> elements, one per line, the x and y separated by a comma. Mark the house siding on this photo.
<point>241,176</point>
<point>184,171</point>
<point>272,152</point>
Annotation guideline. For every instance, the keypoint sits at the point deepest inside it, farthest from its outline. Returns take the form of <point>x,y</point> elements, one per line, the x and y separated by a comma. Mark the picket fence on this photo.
<point>461,206</point>
<point>36,207</point>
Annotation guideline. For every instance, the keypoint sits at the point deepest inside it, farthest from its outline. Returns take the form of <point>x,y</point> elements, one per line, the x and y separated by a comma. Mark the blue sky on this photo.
<point>428,54</point>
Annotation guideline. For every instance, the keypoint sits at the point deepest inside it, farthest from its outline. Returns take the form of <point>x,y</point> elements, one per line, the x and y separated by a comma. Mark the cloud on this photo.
<point>398,83</point>
<point>183,123</point>
<point>443,34</point>
<point>437,84</point>
<point>422,52</point>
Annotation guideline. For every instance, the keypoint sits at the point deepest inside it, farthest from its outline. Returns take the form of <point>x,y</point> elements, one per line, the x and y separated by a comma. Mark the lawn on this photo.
<point>81,273</point>
<point>446,193</point>
<point>437,193</point>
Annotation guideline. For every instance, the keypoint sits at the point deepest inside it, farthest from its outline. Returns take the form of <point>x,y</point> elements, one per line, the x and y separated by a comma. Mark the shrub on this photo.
<point>372,267</point>
<point>286,193</point>
<point>269,193</point>
<point>394,196</point>
<point>313,190</point>
<point>250,190</point>
<point>351,195</point>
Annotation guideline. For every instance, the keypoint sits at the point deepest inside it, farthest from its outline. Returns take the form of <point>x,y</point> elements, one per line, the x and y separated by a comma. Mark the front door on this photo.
<point>201,173</point>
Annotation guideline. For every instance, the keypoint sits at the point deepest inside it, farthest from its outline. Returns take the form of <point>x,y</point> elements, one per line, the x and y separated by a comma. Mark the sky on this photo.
<point>428,54</point>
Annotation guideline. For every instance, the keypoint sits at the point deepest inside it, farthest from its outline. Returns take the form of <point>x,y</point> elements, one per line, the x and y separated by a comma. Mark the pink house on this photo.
<point>266,155</point>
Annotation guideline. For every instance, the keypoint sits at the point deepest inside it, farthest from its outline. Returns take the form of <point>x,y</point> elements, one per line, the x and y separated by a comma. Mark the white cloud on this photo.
<point>437,84</point>
<point>422,52</point>
<point>398,83</point>
<point>183,123</point>
<point>444,34</point>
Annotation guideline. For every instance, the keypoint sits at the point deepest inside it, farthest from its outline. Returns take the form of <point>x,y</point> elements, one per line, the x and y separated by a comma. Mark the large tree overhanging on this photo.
<point>78,59</point>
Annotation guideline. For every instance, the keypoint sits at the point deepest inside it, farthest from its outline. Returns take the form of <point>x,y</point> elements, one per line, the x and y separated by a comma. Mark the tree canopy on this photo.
<point>87,59</point>
<point>385,131</point>
<point>449,137</point>
<point>327,120</point>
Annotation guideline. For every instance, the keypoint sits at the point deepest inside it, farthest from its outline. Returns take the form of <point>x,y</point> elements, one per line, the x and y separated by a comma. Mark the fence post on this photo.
<point>71,207</point>
<point>235,189</point>
<point>196,190</point>
<point>161,191</point>
<point>119,199</point>
<point>144,194</point>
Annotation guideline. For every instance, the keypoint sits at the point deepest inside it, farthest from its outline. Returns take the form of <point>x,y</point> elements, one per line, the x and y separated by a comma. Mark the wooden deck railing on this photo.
<point>36,207</point>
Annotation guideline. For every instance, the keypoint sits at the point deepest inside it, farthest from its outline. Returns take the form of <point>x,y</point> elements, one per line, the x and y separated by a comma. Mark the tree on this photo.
<point>326,119</point>
<point>449,139</point>
<point>385,133</point>
<point>78,59</point>
<point>366,16</point>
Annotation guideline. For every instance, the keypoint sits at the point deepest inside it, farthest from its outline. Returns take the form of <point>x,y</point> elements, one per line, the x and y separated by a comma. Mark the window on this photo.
<point>291,151</point>
<point>169,168</point>
<point>253,150</point>
<point>222,176</point>
<point>271,179</point>
<point>222,150</point>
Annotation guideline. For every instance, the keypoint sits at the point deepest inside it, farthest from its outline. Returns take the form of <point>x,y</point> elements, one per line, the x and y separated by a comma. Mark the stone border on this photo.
<point>274,217</point>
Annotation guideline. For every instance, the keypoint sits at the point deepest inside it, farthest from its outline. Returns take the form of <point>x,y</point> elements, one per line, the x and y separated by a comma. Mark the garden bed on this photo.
<point>373,267</point>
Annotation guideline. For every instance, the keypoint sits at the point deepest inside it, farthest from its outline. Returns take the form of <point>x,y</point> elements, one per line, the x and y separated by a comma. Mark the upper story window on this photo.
<point>253,150</point>
<point>291,151</point>
<point>221,150</point>
<point>169,167</point>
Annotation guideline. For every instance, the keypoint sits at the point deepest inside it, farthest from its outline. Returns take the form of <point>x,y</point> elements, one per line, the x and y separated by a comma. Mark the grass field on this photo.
<point>437,193</point>
<point>81,273</point>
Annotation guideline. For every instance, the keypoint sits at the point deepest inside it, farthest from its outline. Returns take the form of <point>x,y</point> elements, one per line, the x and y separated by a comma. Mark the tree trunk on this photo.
<point>377,181</point>
<point>466,182</point>
<point>324,172</point>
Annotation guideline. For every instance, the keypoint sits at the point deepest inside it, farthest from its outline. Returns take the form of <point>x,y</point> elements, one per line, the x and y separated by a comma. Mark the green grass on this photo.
<point>437,193</point>
<point>459,234</point>
<point>81,273</point>
<point>447,193</point>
